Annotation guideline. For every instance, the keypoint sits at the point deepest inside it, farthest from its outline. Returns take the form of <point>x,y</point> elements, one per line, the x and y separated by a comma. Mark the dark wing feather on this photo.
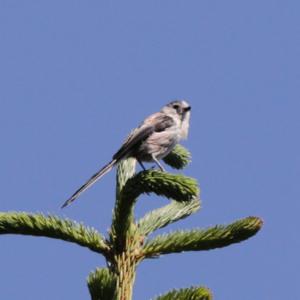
<point>163,122</point>
<point>155,123</point>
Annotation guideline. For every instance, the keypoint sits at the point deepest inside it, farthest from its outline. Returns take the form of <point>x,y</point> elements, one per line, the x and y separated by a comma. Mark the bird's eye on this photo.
<point>176,106</point>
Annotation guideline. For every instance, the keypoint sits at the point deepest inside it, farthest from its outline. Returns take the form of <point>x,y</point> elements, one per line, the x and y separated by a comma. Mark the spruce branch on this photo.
<point>102,284</point>
<point>52,227</point>
<point>203,239</point>
<point>129,187</point>
<point>125,268</point>
<point>170,213</point>
<point>177,187</point>
<point>128,243</point>
<point>123,218</point>
<point>193,293</point>
<point>179,158</point>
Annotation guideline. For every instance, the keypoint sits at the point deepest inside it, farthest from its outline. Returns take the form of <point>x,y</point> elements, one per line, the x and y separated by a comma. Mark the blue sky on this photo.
<point>77,76</point>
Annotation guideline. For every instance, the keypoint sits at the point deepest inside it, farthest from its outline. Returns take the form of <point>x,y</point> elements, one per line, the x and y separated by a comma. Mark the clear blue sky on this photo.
<point>77,76</point>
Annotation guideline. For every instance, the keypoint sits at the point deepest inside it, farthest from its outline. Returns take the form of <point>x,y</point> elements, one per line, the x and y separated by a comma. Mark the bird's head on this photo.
<point>182,110</point>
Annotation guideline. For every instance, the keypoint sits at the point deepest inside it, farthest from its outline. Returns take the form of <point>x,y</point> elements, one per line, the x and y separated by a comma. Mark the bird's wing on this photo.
<point>154,123</point>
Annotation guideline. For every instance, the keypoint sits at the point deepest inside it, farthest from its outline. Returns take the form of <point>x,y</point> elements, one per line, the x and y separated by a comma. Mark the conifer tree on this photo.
<point>128,242</point>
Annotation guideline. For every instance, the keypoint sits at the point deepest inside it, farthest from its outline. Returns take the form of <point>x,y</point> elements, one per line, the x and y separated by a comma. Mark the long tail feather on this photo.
<point>90,182</point>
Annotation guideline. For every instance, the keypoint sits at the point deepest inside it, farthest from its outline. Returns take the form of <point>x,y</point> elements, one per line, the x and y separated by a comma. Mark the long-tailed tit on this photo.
<point>151,141</point>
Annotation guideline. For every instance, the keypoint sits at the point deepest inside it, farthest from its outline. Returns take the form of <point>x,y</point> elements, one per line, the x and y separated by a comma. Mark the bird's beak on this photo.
<point>187,108</point>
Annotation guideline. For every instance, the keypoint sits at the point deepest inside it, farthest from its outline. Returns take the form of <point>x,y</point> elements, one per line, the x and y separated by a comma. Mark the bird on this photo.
<point>151,141</point>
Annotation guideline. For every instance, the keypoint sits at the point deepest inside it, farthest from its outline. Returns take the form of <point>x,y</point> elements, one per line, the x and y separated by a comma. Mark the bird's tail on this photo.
<point>90,182</point>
